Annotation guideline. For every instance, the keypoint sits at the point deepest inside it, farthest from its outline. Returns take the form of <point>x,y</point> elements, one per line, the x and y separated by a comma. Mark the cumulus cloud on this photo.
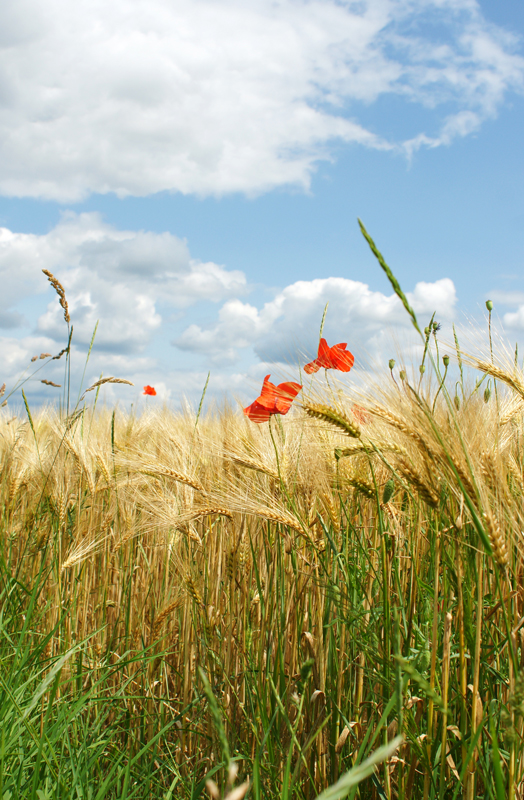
<point>289,323</point>
<point>217,96</point>
<point>17,370</point>
<point>123,278</point>
<point>506,298</point>
<point>514,319</point>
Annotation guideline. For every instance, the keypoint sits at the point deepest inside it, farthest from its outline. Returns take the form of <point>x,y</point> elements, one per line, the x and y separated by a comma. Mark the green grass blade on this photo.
<point>500,789</point>
<point>393,281</point>
<point>201,402</point>
<point>356,775</point>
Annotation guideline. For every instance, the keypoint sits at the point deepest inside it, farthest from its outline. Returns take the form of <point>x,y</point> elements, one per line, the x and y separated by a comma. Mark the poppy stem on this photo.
<point>276,455</point>
<point>394,381</point>
<point>283,487</point>
<point>331,390</point>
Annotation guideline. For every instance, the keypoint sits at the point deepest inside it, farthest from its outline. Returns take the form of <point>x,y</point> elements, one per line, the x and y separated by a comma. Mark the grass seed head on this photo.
<point>363,487</point>
<point>59,289</point>
<point>333,417</point>
<point>497,540</point>
<point>423,489</point>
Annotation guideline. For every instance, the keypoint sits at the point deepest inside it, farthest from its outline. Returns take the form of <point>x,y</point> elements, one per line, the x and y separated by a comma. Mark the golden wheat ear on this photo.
<point>103,381</point>
<point>59,289</point>
<point>333,417</point>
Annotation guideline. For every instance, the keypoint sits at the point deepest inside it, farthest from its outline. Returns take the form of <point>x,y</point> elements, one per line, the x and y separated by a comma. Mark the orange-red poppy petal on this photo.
<point>257,412</point>
<point>336,357</point>
<point>268,394</point>
<point>273,400</point>
<point>286,393</point>
<point>313,366</point>
<point>324,354</point>
<point>341,358</point>
<point>150,391</point>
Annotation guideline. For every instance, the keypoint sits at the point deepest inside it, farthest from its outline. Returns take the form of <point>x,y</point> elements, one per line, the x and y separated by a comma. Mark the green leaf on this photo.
<point>356,775</point>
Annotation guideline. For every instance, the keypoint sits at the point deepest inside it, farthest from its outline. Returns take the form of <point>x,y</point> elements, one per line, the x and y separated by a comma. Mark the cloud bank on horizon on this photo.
<point>132,281</point>
<point>210,97</point>
<point>146,290</point>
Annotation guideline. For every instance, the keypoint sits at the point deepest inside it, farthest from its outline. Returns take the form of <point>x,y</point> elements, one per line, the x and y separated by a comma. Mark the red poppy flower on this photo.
<point>149,390</point>
<point>336,357</point>
<point>273,400</point>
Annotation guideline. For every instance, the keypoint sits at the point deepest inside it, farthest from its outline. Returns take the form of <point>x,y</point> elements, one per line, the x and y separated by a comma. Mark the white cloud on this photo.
<point>288,324</point>
<point>438,296</point>
<point>217,96</point>
<point>506,298</point>
<point>131,281</point>
<point>123,278</point>
<point>514,319</point>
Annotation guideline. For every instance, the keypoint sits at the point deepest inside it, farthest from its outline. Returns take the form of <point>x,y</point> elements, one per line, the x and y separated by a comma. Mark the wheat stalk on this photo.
<point>369,448</point>
<point>160,619</point>
<point>103,381</point>
<point>512,379</point>
<point>425,491</point>
<point>164,472</point>
<point>363,487</point>
<point>333,417</point>
<point>247,463</point>
<point>496,539</point>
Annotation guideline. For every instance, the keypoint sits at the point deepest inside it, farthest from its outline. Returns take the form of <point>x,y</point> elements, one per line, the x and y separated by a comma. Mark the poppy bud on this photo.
<point>435,327</point>
<point>457,401</point>
<point>427,331</point>
<point>487,394</point>
<point>423,661</point>
<point>489,305</point>
<point>422,369</point>
<point>402,375</point>
<point>446,361</point>
<point>391,363</point>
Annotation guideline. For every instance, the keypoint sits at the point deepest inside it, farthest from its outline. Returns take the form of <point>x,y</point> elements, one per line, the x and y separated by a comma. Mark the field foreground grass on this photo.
<point>266,604</point>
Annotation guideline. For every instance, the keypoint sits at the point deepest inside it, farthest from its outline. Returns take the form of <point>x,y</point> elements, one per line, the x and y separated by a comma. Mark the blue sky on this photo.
<point>193,172</point>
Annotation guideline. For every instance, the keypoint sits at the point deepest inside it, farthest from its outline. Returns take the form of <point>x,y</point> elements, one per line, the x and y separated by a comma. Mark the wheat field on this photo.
<point>186,600</point>
<point>324,603</point>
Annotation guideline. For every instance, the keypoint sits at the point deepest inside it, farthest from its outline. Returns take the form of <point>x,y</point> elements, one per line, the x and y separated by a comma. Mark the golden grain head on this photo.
<point>103,381</point>
<point>59,289</point>
<point>496,539</point>
<point>363,487</point>
<point>419,483</point>
<point>333,417</point>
